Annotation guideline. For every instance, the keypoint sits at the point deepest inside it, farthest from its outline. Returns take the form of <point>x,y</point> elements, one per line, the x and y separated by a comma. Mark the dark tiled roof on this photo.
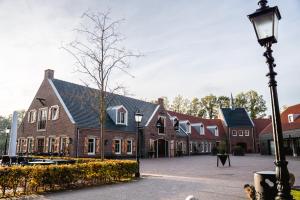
<point>82,103</point>
<point>237,117</point>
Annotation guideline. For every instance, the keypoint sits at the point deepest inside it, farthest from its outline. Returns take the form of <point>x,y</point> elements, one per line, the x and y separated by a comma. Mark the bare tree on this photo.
<point>98,52</point>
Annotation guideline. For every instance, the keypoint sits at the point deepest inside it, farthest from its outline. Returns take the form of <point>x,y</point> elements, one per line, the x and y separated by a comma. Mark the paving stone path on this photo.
<point>176,178</point>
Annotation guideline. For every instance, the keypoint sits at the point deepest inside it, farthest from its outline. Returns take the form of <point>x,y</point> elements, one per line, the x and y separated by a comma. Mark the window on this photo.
<point>31,116</point>
<point>240,133</point>
<point>117,146</point>
<point>151,145</point>
<point>40,145</point>
<point>51,144</point>
<point>234,133</point>
<point>206,147</point>
<point>191,147</point>
<point>42,119</point>
<point>202,145</point>
<point>246,132</point>
<point>216,131</point>
<point>54,112</point>
<point>29,145</point>
<point>162,123</point>
<point>209,147</point>
<point>201,129</point>
<point>188,127</point>
<point>129,147</point>
<point>91,146</point>
<point>291,118</point>
<point>121,118</point>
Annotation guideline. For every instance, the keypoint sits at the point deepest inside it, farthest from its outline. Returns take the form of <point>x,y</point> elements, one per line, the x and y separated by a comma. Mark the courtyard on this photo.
<point>176,178</point>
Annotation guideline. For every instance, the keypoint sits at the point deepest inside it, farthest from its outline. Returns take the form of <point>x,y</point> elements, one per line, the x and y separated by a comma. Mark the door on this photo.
<point>162,148</point>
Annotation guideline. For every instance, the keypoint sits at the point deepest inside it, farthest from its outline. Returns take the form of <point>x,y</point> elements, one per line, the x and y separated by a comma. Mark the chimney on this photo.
<point>49,74</point>
<point>160,101</point>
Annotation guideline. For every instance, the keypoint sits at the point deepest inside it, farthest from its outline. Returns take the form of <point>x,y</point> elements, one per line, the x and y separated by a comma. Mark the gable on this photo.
<point>237,117</point>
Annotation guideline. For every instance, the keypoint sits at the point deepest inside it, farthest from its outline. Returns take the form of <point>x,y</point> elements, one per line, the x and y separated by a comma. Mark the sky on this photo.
<point>193,48</point>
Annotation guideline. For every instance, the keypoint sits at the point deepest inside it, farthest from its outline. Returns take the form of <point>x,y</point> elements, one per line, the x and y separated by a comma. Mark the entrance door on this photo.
<point>162,148</point>
<point>40,145</point>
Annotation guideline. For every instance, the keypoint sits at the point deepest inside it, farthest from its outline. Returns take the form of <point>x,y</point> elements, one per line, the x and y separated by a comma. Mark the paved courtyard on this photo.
<point>176,178</point>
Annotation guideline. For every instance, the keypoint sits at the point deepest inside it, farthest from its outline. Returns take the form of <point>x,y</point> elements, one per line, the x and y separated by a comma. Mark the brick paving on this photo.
<point>176,178</point>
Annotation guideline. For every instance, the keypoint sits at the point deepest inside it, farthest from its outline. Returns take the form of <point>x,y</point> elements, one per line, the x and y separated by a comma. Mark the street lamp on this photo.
<point>138,119</point>
<point>7,130</point>
<point>265,22</point>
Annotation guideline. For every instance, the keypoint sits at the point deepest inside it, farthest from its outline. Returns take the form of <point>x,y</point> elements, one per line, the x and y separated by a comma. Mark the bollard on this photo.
<point>265,185</point>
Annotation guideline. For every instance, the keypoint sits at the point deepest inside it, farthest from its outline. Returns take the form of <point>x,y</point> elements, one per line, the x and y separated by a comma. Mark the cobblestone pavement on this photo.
<point>176,178</point>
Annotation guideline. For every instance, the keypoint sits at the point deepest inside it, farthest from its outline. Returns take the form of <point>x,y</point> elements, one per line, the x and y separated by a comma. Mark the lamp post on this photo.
<point>138,119</point>
<point>265,21</point>
<point>7,130</point>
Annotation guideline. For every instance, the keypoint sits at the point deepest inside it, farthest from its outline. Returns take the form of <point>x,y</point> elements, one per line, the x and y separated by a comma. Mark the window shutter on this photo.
<point>133,146</point>
<point>57,113</point>
<point>56,145</point>
<point>86,145</point>
<point>25,146</point>
<point>49,113</point>
<point>97,145</point>
<point>113,146</point>
<point>124,146</point>
<point>46,146</point>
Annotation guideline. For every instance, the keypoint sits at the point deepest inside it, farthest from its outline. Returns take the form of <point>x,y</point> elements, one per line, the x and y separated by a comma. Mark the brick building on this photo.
<point>290,119</point>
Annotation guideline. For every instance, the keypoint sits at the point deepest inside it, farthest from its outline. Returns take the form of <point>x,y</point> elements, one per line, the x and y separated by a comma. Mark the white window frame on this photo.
<point>39,116</point>
<point>216,130</point>
<point>164,117</point>
<point>202,129</point>
<point>247,132</point>
<point>291,118</point>
<point>130,152</point>
<point>241,133</point>
<point>29,150</point>
<point>120,146</point>
<point>125,115</point>
<point>94,146</point>
<point>206,147</point>
<point>234,132</point>
<point>50,143</point>
<point>202,147</point>
<point>31,116</point>
<point>56,116</point>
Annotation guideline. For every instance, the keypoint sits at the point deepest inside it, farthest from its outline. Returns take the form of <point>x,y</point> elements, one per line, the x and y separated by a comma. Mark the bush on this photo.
<point>32,179</point>
<point>222,148</point>
<point>238,151</point>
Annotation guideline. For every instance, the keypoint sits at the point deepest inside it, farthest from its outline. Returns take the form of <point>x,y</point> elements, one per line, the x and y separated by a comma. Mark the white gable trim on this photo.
<point>249,117</point>
<point>156,109</point>
<point>220,110</point>
<point>61,101</point>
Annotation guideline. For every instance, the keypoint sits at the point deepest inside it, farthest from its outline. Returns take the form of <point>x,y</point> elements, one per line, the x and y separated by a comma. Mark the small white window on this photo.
<point>206,147</point>
<point>91,146</point>
<point>117,146</point>
<point>291,118</point>
<point>121,118</point>
<point>29,145</point>
<point>129,147</point>
<point>246,132</point>
<point>201,129</point>
<point>51,144</point>
<point>240,133</point>
<point>54,112</point>
<point>216,131</point>
<point>31,116</point>
<point>234,133</point>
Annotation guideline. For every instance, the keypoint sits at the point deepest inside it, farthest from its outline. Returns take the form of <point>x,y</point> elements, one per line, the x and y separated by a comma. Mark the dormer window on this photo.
<point>201,129</point>
<point>118,114</point>
<point>291,118</point>
<point>214,130</point>
<point>188,127</point>
<point>121,117</point>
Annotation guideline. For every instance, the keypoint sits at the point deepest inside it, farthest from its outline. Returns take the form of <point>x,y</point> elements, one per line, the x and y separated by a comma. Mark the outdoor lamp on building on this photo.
<point>265,21</point>
<point>138,119</point>
<point>7,130</point>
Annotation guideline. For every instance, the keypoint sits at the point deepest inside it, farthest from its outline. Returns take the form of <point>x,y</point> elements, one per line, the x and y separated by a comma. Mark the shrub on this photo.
<point>238,151</point>
<point>32,179</point>
<point>222,148</point>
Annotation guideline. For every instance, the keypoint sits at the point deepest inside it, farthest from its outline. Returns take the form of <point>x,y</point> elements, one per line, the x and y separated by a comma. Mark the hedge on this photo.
<point>16,180</point>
